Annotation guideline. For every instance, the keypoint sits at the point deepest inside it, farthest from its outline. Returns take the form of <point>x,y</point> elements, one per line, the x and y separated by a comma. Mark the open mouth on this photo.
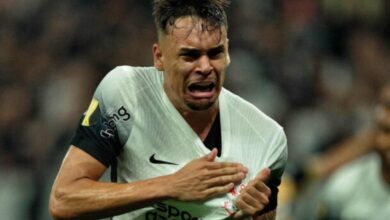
<point>202,89</point>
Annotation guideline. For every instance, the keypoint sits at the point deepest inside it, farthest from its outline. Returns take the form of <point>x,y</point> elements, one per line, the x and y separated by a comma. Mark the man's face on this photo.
<point>194,60</point>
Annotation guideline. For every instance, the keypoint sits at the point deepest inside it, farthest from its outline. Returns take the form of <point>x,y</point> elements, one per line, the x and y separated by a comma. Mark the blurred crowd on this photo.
<point>317,67</point>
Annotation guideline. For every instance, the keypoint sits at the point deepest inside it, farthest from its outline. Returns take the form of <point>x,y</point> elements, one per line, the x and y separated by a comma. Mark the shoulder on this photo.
<point>125,75</point>
<point>128,80</point>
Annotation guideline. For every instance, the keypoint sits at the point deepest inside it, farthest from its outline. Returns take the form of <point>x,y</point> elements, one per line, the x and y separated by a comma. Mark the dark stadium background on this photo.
<point>314,66</point>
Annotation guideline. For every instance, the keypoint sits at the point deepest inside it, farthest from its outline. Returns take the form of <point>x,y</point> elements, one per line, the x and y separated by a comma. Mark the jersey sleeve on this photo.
<point>100,132</point>
<point>278,158</point>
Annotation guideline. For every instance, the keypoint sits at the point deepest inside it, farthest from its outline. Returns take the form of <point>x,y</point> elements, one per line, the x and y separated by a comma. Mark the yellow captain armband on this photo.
<point>91,109</point>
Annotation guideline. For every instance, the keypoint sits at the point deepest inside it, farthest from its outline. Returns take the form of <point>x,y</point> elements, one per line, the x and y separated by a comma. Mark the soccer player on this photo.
<point>179,145</point>
<point>360,189</point>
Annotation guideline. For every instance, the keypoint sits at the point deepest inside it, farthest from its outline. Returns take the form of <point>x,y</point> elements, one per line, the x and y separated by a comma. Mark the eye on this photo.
<point>216,53</point>
<point>189,55</point>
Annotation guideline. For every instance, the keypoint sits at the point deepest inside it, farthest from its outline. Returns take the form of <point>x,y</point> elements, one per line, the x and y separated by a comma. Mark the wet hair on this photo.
<point>166,12</point>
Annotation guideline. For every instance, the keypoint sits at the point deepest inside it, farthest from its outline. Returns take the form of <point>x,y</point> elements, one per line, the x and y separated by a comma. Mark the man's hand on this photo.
<point>204,178</point>
<point>255,196</point>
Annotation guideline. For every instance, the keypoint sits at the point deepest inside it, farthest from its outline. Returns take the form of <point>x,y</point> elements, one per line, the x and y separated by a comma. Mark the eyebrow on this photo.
<point>217,49</point>
<point>186,50</point>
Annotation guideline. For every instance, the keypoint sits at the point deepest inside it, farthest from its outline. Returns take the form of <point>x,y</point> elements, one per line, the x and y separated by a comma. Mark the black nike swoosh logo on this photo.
<point>154,160</point>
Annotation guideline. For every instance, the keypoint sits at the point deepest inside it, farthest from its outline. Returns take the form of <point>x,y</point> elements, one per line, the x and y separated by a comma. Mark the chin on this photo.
<point>201,106</point>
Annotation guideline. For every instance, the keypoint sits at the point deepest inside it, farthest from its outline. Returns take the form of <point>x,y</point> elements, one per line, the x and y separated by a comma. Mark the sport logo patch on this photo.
<point>152,159</point>
<point>106,124</point>
<point>113,117</point>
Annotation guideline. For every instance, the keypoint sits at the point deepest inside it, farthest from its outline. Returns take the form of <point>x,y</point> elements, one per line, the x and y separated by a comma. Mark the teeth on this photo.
<point>207,83</point>
<point>201,87</point>
<point>203,83</point>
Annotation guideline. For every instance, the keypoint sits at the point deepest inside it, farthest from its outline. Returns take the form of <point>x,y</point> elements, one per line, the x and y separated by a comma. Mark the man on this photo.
<point>180,146</point>
<point>360,190</point>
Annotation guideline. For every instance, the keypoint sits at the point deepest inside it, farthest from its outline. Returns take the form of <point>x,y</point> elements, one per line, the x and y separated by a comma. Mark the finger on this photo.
<point>262,187</point>
<point>252,197</point>
<point>211,156</point>
<point>222,180</point>
<point>238,215</point>
<point>218,190</point>
<point>255,194</point>
<point>264,175</point>
<point>248,205</point>
<point>229,170</point>
<point>221,165</point>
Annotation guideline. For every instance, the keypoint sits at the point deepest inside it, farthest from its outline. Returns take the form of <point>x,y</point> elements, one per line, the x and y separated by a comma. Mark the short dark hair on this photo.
<point>166,12</point>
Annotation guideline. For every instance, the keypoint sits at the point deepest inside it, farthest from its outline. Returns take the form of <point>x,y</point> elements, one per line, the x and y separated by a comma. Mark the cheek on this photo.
<point>220,69</point>
<point>178,76</point>
<point>220,65</point>
<point>183,69</point>
<point>178,84</point>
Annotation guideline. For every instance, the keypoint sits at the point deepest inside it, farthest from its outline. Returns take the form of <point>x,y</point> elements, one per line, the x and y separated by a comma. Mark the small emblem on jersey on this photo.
<point>112,118</point>
<point>229,204</point>
<point>152,159</point>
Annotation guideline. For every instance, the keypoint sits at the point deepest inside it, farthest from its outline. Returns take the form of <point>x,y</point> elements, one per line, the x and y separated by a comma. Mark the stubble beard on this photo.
<point>200,106</point>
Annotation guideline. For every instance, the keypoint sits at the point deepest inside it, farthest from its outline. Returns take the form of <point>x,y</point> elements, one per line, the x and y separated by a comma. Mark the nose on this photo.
<point>204,66</point>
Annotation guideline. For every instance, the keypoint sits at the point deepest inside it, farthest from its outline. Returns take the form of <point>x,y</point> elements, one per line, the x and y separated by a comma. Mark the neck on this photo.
<point>200,121</point>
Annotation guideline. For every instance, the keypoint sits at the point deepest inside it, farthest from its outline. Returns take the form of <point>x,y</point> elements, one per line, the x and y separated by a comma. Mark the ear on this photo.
<point>227,52</point>
<point>158,57</point>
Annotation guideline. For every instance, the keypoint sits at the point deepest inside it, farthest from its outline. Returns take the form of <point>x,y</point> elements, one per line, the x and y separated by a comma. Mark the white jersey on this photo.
<point>155,139</point>
<point>358,191</point>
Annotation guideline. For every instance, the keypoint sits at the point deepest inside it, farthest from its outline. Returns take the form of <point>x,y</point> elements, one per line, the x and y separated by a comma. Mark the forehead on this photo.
<point>195,32</point>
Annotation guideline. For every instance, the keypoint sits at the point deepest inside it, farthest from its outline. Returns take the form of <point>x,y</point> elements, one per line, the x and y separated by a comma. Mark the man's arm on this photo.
<point>77,194</point>
<point>350,149</point>
<point>271,215</point>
